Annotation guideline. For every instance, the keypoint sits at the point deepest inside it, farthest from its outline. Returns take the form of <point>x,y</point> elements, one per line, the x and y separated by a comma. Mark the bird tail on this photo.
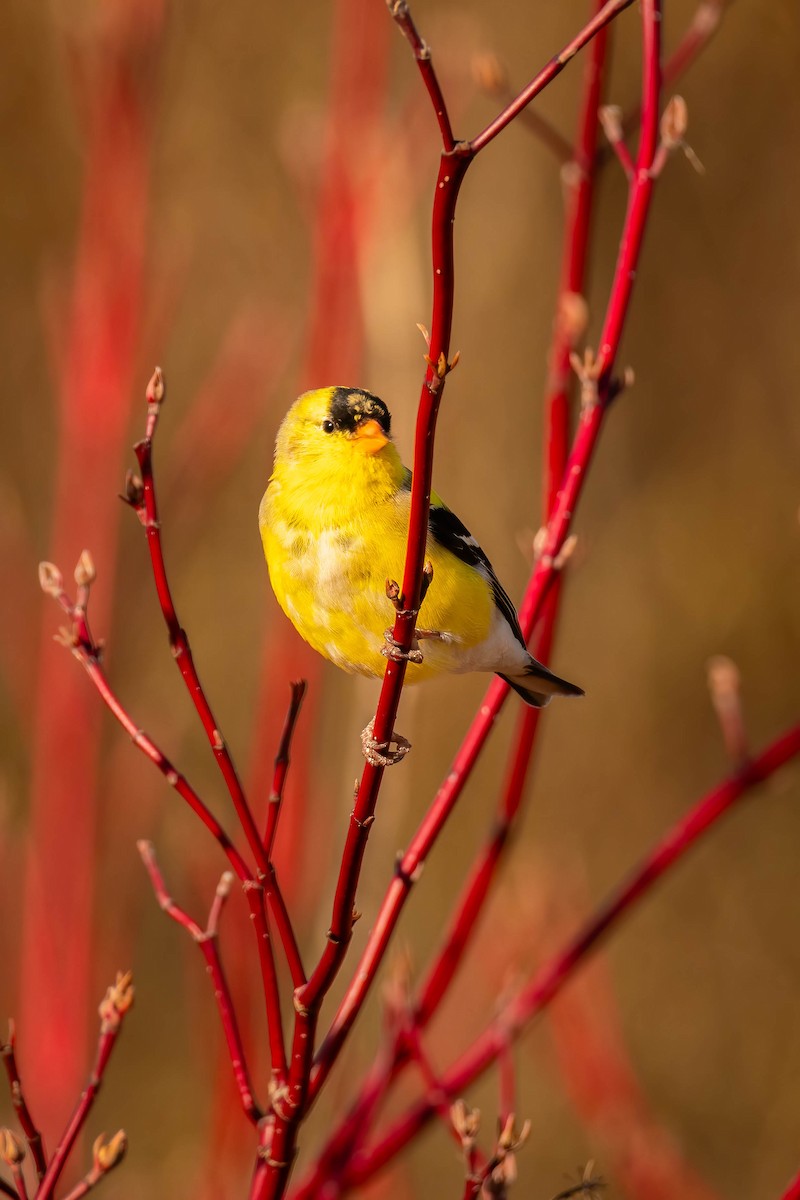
<point>537,685</point>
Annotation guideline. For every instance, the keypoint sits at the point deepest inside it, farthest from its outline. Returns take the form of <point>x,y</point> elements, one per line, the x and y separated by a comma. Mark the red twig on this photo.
<point>141,495</point>
<point>106,1155</point>
<point>282,765</point>
<point>29,1127</point>
<point>700,31</point>
<point>402,17</point>
<point>207,942</point>
<point>83,646</point>
<point>116,1003</point>
<point>607,13</point>
<point>146,507</point>
<point>551,978</point>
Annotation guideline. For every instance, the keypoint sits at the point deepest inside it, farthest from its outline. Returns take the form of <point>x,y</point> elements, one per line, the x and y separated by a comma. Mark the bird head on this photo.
<point>334,422</point>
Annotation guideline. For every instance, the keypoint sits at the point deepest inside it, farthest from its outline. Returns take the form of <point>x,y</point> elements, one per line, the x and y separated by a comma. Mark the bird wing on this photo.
<point>446,529</point>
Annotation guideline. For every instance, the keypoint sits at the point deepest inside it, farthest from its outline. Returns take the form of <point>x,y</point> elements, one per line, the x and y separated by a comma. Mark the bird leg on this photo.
<point>381,754</point>
<point>395,651</point>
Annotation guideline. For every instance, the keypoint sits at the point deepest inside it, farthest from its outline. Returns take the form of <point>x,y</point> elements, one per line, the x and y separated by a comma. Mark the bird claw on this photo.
<point>381,754</point>
<point>395,651</point>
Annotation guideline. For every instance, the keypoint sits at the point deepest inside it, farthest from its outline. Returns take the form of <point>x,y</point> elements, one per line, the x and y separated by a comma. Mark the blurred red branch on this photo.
<point>551,978</point>
<point>793,1190</point>
<point>606,1094</point>
<point>100,316</point>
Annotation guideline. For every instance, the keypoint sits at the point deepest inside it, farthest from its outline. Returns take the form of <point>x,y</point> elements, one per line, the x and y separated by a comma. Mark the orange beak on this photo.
<point>370,438</point>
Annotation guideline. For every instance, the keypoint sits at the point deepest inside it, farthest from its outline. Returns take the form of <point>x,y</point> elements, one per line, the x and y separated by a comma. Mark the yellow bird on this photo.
<point>334,521</point>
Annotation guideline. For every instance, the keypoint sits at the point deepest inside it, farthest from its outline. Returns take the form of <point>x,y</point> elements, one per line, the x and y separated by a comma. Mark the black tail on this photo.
<point>537,685</point>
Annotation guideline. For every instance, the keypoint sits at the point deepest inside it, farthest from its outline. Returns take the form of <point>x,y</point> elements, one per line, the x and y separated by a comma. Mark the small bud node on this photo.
<point>674,122</point>
<point>155,388</point>
<point>611,120</point>
<point>85,571</point>
<point>466,1122</point>
<point>51,580</point>
<point>109,1154</point>
<point>12,1149</point>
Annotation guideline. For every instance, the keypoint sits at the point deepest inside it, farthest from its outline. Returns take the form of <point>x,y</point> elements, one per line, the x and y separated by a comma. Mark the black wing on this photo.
<point>449,532</point>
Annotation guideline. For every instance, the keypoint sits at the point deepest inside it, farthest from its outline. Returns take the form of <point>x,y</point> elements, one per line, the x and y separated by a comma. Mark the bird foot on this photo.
<point>395,651</point>
<point>383,754</point>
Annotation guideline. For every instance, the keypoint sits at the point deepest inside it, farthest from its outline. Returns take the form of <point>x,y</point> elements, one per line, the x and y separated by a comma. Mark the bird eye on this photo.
<point>328,426</point>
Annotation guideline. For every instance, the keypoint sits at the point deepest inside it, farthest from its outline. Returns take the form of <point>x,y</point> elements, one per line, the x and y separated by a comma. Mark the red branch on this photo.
<point>80,641</point>
<point>29,1127</point>
<point>207,942</point>
<point>550,979</point>
<point>282,765</point>
<point>141,495</point>
<point>147,511</point>
<point>115,1005</point>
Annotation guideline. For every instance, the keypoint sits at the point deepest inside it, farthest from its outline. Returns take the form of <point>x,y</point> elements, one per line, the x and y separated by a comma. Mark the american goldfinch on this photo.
<point>334,521</point>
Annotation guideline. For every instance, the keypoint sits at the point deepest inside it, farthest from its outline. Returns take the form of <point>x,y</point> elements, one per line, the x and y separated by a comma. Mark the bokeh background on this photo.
<point>240,192</point>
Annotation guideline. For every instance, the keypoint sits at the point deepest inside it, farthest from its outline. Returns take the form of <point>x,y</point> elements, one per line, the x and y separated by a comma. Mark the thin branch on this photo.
<point>547,982</point>
<point>141,495</point>
<point>491,76</point>
<point>548,73</point>
<point>106,1155</point>
<point>256,899</point>
<point>400,14</point>
<point>29,1126</point>
<point>144,502</point>
<point>611,120</point>
<point>116,1003</point>
<point>207,943</point>
<point>79,640</point>
<point>282,765</point>
<point>700,31</point>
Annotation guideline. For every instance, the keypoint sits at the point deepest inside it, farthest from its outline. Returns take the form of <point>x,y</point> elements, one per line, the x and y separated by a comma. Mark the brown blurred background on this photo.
<point>689,540</point>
